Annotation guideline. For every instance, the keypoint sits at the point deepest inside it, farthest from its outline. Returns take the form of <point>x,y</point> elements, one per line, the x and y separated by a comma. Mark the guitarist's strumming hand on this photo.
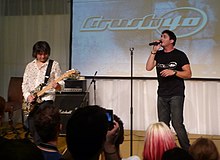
<point>56,85</point>
<point>31,98</point>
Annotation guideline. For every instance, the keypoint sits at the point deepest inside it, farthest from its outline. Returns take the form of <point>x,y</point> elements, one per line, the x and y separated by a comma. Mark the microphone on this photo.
<point>154,43</point>
<point>95,73</point>
<point>93,78</point>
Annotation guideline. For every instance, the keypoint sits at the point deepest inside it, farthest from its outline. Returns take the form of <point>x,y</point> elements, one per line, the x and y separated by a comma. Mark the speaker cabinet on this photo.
<point>67,102</point>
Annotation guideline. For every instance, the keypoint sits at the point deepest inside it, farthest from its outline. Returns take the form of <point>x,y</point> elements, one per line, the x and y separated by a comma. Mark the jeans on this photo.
<point>171,109</point>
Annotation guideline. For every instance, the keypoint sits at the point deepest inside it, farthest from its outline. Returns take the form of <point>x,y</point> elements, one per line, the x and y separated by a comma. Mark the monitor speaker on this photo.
<point>67,102</point>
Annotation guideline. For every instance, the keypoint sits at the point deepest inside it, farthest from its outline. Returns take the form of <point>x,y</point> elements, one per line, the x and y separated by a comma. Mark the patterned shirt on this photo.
<point>34,76</point>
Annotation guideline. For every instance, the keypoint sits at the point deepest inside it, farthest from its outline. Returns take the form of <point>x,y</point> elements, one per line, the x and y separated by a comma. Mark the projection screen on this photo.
<point>104,31</point>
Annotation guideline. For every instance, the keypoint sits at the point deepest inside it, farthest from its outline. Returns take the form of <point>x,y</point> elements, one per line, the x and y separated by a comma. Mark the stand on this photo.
<point>131,109</point>
<point>94,82</point>
<point>94,88</point>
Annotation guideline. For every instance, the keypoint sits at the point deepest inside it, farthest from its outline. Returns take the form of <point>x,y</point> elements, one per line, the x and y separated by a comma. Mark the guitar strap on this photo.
<point>47,75</point>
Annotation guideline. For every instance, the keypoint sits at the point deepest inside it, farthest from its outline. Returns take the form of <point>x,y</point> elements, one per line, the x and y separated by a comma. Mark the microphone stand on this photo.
<point>131,109</point>
<point>94,88</point>
<point>87,91</point>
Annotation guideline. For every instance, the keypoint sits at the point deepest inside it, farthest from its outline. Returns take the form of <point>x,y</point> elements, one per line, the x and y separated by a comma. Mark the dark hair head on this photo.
<point>86,132</point>
<point>176,154</point>
<point>19,149</point>
<point>47,123</point>
<point>120,138</point>
<point>41,46</point>
<point>171,35</point>
<point>204,149</point>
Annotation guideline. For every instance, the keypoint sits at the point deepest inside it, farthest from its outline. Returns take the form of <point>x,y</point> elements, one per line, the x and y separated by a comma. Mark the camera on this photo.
<point>110,117</point>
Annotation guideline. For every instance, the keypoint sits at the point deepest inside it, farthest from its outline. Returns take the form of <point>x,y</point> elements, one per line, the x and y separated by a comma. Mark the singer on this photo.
<point>172,66</point>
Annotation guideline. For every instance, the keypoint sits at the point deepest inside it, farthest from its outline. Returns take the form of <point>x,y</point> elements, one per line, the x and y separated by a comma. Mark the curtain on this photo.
<point>201,111</point>
<point>23,22</point>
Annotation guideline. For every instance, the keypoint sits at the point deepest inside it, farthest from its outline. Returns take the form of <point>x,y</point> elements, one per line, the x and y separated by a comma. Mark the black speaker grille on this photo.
<point>67,102</point>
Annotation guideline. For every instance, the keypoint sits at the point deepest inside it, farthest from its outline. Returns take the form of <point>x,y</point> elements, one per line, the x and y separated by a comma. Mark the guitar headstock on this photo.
<point>71,74</point>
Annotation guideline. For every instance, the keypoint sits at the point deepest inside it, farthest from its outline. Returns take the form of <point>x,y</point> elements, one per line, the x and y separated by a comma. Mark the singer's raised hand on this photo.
<point>156,47</point>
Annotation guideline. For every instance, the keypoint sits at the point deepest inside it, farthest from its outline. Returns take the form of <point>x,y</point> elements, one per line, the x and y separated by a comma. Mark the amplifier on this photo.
<point>75,85</point>
<point>67,102</point>
<point>72,90</point>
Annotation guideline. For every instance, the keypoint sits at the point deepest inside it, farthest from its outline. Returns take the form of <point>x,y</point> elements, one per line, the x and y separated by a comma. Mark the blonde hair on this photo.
<point>159,138</point>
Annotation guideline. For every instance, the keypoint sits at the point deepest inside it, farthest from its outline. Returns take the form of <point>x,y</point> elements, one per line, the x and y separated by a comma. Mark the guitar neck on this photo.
<point>46,88</point>
<point>40,93</point>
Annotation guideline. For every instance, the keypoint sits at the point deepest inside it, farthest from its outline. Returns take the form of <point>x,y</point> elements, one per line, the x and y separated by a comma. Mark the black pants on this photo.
<point>30,120</point>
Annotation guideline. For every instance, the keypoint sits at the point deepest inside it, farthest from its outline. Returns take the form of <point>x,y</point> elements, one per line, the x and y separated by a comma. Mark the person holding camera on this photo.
<point>88,129</point>
<point>114,141</point>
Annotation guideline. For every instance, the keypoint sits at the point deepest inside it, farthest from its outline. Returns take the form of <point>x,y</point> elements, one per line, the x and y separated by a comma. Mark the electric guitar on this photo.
<point>39,91</point>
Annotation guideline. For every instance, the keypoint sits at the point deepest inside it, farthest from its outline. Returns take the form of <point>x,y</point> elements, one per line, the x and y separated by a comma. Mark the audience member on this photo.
<point>120,139</point>
<point>19,149</point>
<point>86,133</point>
<point>177,154</point>
<point>47,124</point>
<point>159,138</point>
<point>204,149</point>
<point>120,136</point>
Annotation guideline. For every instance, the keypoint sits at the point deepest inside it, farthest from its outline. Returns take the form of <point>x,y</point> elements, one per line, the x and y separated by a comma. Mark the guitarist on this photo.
<point>35,74</point>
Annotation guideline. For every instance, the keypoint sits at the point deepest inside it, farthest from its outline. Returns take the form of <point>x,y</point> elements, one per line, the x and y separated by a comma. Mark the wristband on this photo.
<point>153,53</point>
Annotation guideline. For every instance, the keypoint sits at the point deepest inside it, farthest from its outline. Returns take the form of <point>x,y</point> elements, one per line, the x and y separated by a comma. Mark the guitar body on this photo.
<point>30,107</point>
<point>40,91</point>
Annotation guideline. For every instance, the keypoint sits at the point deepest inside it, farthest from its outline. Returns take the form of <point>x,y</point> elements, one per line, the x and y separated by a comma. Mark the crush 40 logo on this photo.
<point>186,21</point>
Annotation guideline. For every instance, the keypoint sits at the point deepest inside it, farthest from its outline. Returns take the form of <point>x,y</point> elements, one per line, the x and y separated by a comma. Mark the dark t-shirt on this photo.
<point>51,155</point>
<point>50,152</point>
<point>172,85</point>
